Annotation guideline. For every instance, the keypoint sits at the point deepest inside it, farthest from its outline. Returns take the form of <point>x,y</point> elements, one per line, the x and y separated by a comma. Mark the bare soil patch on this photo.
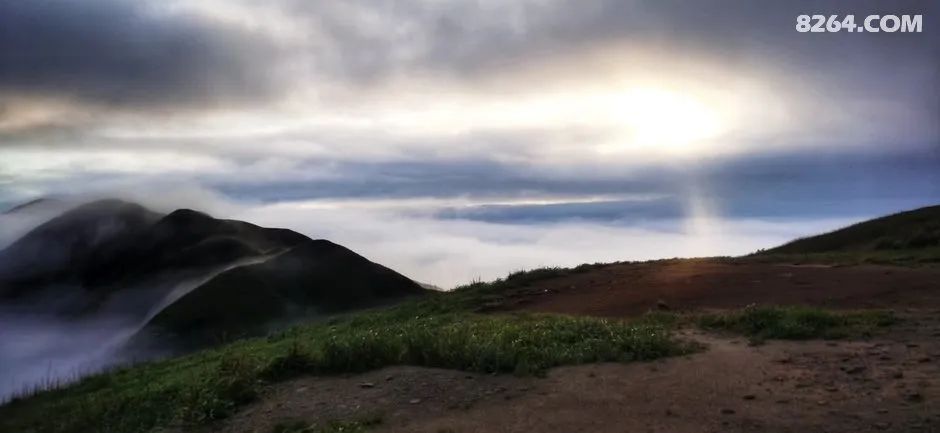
<point>630,289</point>
<point>886,384</point>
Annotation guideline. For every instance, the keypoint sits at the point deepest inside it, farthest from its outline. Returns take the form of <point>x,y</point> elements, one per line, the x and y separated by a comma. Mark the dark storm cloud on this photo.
<point>897,75</point>
<point>125,53</point>
<point>782,186</point>
<point>470,37</point>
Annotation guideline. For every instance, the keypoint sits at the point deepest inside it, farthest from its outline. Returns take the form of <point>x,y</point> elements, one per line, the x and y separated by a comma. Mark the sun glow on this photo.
<point>663,120</point>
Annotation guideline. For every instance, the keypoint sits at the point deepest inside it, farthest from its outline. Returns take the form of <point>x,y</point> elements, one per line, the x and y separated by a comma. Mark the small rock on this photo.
<point>662,305</point>
<point>727,411</point>
<point>882,425</point>
<point>367,385</point>
<point>831,389</point>
<point>912,345</point>
<point>749,397</point>
<point>389,378</point>
<point>782,401</point>
<point>924,360</point>
<point>855,370</point>
<point>882,411</point>
<point>822,402</point>
<point>414,401</point>
<point>898,375</point>
<point>914,397</point>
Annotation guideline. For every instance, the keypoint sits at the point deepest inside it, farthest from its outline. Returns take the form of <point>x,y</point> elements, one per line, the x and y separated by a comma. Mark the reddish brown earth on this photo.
<point>633,288</point>
<point>890,383</point>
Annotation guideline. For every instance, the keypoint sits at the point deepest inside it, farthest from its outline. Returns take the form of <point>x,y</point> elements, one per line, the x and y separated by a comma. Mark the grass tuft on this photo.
<point>797,323</point>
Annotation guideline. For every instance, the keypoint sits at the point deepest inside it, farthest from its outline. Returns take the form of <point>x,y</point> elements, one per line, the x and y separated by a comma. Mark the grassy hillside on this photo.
<point>443,330</point>
<point>916,229</point>
<point>910,237</point>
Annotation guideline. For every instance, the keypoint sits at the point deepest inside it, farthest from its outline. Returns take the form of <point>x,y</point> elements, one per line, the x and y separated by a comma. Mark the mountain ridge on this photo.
<point>117,257</point>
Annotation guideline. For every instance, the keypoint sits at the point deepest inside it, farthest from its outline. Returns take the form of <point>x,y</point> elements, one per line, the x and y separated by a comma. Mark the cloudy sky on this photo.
<point>455,140</point>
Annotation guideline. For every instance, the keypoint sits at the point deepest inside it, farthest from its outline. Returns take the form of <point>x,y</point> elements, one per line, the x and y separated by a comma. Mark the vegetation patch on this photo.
<point>797,323</point>
<point>210,385</point>
<point>911,230</point>
<point>442,330</point>
<point>493,295</point>
<point>896,257</point>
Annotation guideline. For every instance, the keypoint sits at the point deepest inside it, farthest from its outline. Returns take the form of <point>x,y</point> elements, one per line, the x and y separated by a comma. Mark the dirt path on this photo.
<point>889,384</point>
<point>632,288</point>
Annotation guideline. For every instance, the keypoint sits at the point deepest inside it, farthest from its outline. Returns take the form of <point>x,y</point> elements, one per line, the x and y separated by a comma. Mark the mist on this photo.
<point>451,252</point>
<point>41,349</point>
<point>441,241</point>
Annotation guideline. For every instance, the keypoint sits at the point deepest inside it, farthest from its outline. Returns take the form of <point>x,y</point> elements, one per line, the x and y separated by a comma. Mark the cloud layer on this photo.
<point>529,117</point>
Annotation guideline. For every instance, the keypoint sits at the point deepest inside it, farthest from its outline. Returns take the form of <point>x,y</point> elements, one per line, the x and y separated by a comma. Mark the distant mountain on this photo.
<point>314,277</point>
<point>911,230</point>
<point>185,274</point>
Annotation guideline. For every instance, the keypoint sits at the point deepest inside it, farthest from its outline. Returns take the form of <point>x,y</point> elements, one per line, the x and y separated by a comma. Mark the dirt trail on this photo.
<point>889,384</point>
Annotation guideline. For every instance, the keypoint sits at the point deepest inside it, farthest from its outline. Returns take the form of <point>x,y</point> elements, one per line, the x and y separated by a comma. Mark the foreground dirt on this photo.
<point>890,383</point>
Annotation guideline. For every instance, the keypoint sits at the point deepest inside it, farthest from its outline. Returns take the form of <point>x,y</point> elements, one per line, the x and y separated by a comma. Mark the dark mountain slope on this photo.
<point>195,276</point>
<point>911,230</point>
<point>185,239</point>
<point>316,276</point>
<point>106,245</point>
<point>63,248</point>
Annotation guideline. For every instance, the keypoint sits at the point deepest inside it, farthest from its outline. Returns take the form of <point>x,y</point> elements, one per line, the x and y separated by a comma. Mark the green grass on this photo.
<point>442,330</point>
<point>912,230</point>
<point>211,385</point>
<point>899,257</point>
<point>796,323</point>
<point>492,296</point>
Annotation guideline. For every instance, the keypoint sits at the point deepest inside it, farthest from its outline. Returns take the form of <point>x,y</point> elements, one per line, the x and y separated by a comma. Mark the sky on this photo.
<point>461,140</point>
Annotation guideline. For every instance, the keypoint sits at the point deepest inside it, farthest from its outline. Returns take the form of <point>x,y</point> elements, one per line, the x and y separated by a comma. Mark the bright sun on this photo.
<point>664,120</point>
